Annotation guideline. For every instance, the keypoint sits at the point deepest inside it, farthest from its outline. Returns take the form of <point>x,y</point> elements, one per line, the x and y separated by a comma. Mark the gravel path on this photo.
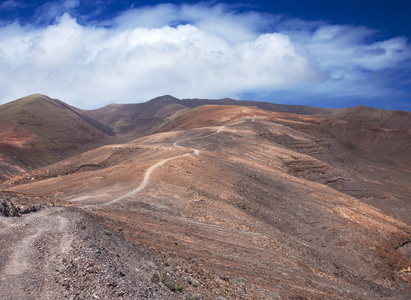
<point>145,181</point>
<point>62,253</point>
<point>24,247</point>
<point>147,175</point>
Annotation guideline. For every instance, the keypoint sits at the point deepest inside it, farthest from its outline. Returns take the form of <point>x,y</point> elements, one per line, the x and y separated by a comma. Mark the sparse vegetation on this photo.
<point>155,277</point>
<point>169,282</point>
<point>166,279</point>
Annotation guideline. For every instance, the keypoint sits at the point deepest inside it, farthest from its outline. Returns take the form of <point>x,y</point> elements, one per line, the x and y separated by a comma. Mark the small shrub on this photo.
<point>176,288</point>
<point>168,281</point>
<point>155,278</point>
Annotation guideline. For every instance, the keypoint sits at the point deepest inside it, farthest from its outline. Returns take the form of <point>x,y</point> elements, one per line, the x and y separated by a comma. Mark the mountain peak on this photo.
<point>48,128</point>
<point>165,98</point>
<point>34,97</point>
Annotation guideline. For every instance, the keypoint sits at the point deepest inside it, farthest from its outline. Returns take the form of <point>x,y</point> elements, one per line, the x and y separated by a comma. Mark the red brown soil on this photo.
<point>36,131</point>
<point>275,206</point>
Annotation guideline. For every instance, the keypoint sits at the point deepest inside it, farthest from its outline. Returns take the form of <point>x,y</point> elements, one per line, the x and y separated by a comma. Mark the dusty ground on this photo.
<point>61,253</point>
<point>272,206</point>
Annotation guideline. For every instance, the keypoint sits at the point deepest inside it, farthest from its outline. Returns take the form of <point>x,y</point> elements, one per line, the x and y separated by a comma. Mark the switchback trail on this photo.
<point>148,173</point>
<point>196,138</point>
<point>145,181</point>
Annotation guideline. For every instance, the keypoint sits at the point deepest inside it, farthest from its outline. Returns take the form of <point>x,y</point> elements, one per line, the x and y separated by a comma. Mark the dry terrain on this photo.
<point>61,253</point>
<point>222,202</point>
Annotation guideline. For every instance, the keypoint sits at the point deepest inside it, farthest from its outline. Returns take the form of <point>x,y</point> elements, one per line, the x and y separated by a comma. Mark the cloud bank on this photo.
<point>203,51</point>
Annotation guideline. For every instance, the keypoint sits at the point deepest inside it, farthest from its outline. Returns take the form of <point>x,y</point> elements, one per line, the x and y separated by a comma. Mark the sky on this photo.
<point>325,53</point>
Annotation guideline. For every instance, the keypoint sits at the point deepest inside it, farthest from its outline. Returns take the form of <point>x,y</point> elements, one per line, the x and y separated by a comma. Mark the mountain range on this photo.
<point>232,199</point>
<point>34,129</point>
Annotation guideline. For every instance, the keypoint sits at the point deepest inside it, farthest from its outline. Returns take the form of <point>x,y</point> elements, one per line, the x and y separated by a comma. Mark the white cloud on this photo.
<point>189,51</point>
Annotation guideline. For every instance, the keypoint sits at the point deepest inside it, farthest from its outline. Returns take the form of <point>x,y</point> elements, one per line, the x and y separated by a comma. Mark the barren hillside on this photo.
<point>243,203</point>
<point>36,131</point>
<point>129,121</point>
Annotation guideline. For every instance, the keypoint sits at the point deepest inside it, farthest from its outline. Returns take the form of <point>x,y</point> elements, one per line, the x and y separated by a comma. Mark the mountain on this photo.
<point>391,119</point>
<point>295,109</point>
<point>41,124</point>
<point>36,131</point>
<point>134,120</point>
<point>130,121</point>
<point>245,203</point>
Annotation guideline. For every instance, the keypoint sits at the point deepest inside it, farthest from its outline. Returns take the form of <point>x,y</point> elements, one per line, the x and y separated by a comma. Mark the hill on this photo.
<point>36,131</point>
<point>294,109</point>
<point>130,121</point>
<point>391,119</point>
<point>136,120</point>
<point>41,124</point>
<point>243,203</point>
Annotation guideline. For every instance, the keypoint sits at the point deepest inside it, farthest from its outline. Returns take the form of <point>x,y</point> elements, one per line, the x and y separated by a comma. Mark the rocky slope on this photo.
<point>62,253</point>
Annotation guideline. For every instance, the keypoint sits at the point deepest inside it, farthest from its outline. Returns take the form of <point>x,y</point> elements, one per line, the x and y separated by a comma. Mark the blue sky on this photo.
<point>91,53</point>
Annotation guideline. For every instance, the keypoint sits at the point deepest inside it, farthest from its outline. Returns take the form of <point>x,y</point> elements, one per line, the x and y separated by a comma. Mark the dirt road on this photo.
<point>147,175</point>
<point>145,181</point>
<point>31,251</point>
<point>176,144</point>
<point>61,253</point>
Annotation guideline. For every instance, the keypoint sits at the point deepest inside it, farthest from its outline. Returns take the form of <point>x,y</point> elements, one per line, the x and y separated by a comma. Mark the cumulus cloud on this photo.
<point>190,51</point>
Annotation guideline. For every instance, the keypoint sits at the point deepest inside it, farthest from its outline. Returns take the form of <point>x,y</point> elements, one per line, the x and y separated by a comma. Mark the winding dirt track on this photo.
<point>148,173</point>
<point>145,181</point>
<point>32,247</point>
<point>175,144</point>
